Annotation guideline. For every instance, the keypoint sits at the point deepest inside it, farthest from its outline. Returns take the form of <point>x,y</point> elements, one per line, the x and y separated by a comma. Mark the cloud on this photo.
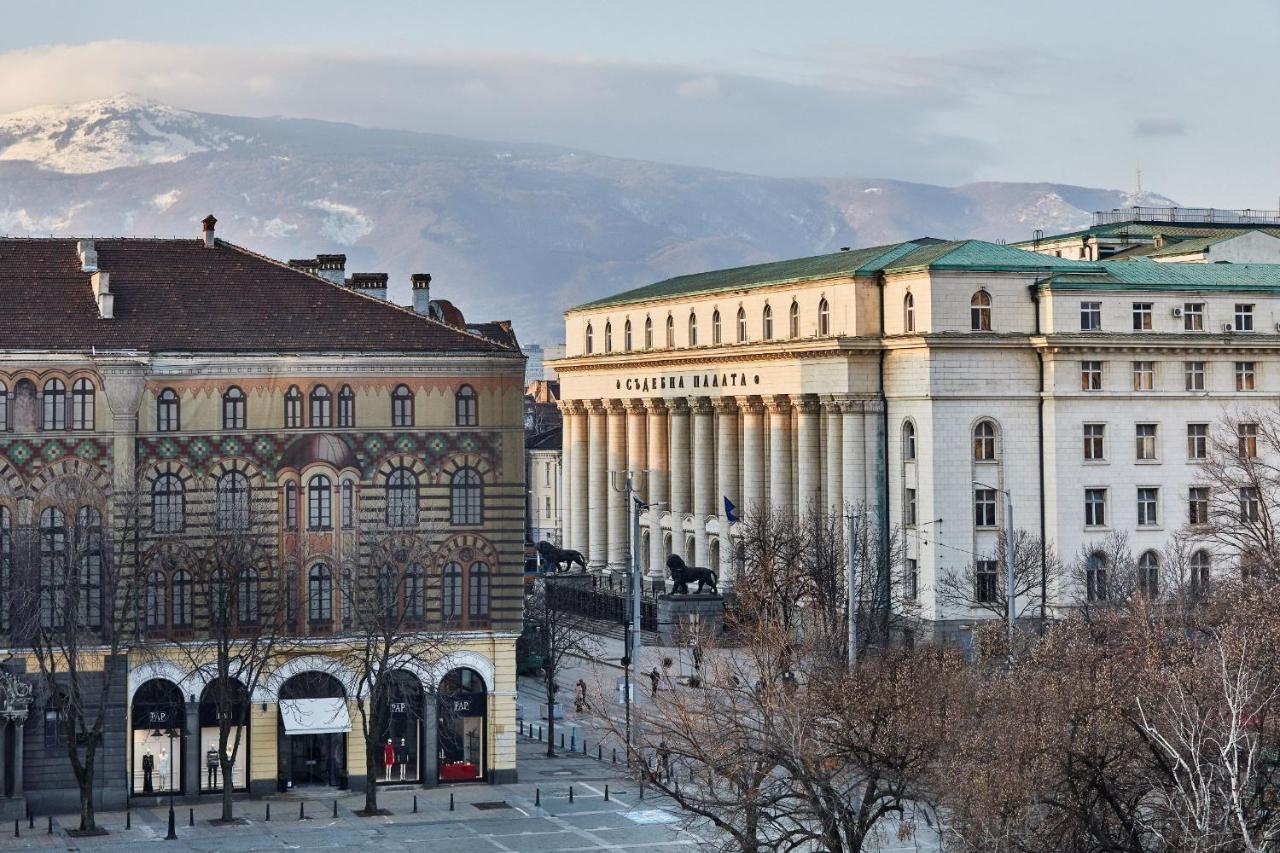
<point>1157,127</point>
<point>673,113</point>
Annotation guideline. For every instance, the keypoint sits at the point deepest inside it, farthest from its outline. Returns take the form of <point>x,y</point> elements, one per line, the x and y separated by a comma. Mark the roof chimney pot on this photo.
<point>208,223</point>
<point>421,292</point>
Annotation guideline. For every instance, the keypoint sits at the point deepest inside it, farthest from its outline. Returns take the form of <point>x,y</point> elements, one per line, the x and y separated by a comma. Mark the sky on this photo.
<point>1084,93</point>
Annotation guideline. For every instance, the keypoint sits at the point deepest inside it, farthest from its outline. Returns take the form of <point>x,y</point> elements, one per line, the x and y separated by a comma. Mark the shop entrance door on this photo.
<point>314,759</point>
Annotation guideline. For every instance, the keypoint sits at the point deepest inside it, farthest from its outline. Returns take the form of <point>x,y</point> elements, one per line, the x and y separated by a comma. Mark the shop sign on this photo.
<point>465,704</point>
<point>677,382</point>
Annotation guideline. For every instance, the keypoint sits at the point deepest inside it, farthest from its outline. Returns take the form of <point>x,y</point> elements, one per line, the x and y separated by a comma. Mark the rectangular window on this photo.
<point>547,507</point>
<point>1095,507</point>
<point>1094,436</point>
<point>1090,376</point>
<point>1245,376</point>
<point>1090,316</point>
<point>984,507</point>
<point>1145,442</point>
<point>1142,316</point>
<point>1247,440</point>
<point>1250,509</point>
<point>1148,502</point>
<point>985,581</point>
<point>348,504</point>
<point>910,509</point>
<point>1197,441</point>
<point>1144,375</point>
<point>1244,317</point>
<point>1193,371</point>
<point>1197,505</point>
<point>1193,317</point>
<point>911,581</point>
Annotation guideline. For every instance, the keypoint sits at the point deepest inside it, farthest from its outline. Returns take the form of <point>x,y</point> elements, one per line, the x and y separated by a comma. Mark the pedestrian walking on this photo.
<point>580,696</point>
<point>654,678</point>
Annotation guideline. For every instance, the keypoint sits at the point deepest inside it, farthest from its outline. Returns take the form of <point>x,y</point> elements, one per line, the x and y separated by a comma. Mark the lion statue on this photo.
<point>683,575</point>
<point>558,557</point>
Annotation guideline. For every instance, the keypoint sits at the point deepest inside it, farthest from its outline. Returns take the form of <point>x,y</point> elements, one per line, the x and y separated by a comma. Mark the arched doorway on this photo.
<point>226,699</point>
<point>404,731</point>
<point>158,720</point>
<point>311,738</point>
<point>462,727</point>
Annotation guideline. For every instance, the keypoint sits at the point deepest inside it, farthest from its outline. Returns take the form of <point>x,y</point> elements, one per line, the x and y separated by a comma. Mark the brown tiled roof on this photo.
<point>177,295</point>
<point>497,330</point>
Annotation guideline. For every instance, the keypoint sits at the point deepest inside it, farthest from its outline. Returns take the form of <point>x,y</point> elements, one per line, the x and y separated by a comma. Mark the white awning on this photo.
<point>314,716</point>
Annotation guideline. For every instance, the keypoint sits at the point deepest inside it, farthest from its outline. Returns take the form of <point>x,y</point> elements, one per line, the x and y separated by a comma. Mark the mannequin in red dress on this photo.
<point>389,757</point>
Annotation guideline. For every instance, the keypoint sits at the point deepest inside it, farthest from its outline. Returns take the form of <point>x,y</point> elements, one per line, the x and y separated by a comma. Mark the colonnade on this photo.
<point>687,454</point>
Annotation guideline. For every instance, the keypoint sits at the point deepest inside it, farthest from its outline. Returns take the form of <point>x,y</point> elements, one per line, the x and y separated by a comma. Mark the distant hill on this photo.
<point>508,230</point>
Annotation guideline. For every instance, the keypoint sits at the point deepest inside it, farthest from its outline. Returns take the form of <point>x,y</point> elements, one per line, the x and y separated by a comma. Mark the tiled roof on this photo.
<point>857,261</point>
<point>178,295</point>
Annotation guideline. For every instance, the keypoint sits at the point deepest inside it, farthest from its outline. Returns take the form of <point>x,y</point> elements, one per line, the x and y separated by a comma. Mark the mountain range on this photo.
<point>509,230</point>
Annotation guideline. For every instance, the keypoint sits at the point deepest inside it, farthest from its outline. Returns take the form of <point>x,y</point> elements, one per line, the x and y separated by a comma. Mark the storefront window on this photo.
<point>158,719</point>
<point>235,705</point>
<point>463,726</point>
<point>401,751</point>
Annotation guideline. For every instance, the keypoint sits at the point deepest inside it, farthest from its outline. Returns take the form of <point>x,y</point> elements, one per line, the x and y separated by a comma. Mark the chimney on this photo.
<point>101,283</point>
<point>208,222</point>
<point>422,292</point>
<point>310,265</point>
<point>332,267</point>
<point>369,283</point>
<point>88,256</point>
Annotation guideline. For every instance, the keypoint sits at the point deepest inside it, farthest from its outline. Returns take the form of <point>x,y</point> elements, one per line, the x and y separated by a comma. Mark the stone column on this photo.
<point>780,497</point>
<point>873,458</point>
<point>835,455</point>
<point>704,477</point>
<point>659,455</point>
<point>579,497</point>
<point>597,487</point>
<point>853,434</point>
<point>193,769</point>
<point>19,733</point>
<point>564,497</point>
<point>808,455</point>
<point>618,509</point>
<point>637,447</point>
<point>680,486</point>
<point>753,494</point>
<point>728,453</point>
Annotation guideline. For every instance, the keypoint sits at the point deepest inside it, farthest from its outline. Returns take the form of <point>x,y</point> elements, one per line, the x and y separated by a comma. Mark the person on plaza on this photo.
<point>664,761</point>
<point>580,696</point>
<point>654,678</point>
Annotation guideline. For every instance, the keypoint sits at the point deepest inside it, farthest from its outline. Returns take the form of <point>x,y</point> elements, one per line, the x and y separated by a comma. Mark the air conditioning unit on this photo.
<point>1226,327</point>
<point>1177,312</point>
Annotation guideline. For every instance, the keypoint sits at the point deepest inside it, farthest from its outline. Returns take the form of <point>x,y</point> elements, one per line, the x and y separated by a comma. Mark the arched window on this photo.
<point>742,325</point>
<point>793,321</point>
<point>182,599</point>
<point>1200,573</point>
<point>671,331</point>
<point>402,498</point>
<point>824,317</point>
<point>168,504</point>
<point>626,336</point>
<point>89,570</point>
<point>693,329</point>
<point>293,408</point>
<point>168,411</point>
<point>55,405</point>
<point>451,591</point>
<point>478,593</point>
<point>291,505</point>
<point>908,313</point>
<point>465,494</point>
<point>319,503</point>
<point>4,407</point>
<point>233,409</point>
<point>321,407</point>
<point>414,592</point>
<point>346,407</point>
<point>590,341</point>
<point>466,407</point>
<point>82,396</point>
<point>608,336</point>
<point>1149,574</point>
<point>980,312</point>
<point>402,406</point>
<point>984,442</point>
<point>1095,577</point>
<point>348,504</point>
<point>53,568</point>
<point>715,327</point>
<point>648,333</point>
<point>320,594</point>
<point>908,440</point>
<point>767,323</point>
<point>233,501</point>
<point>155,599</point>
<point>247,597</point>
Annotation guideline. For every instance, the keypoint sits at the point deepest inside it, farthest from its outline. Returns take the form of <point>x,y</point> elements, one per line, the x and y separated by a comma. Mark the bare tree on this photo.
<point>71,605</point>
<point>1242,468</point>
<point>982,584</point>
<point>559,632</point>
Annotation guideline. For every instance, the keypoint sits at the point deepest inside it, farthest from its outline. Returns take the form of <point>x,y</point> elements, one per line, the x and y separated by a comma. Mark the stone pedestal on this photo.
<point>682,617</point>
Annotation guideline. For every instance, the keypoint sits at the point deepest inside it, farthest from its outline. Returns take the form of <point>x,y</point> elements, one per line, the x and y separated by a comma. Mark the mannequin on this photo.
<point>402,757</point>
<point>211,766</point>
<point>148,766</point>
<point>388,758</point>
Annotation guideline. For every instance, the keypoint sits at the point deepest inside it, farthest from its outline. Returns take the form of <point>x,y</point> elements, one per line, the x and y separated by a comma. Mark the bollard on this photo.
<point>539,732</point>
<point>128,820</point>
<point>537,797</point>
<point>615,755</point>
<point>31,819</point>
<point>415,803</point>
<point>606,792</point>
<point>335,808</point>
<point>268,812</point>
<point>302,810</point>
<point>642,789</point>
<point>570,793</point>
<point>191,817</point>
<point>599,752</point>
<point>126,825</point>
<point>17,828</point>
<point>451,801</point>
<point>562,740</point>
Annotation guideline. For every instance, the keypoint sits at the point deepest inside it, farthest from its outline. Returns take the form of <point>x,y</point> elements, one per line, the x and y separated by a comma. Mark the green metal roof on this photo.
<point>979,255</point>
<point>1143,274</point>
<point>1151,229</point>
<point>855,262</point>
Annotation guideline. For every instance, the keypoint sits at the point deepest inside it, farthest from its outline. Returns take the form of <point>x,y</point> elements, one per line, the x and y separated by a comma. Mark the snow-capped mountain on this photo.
<point>509,230</point>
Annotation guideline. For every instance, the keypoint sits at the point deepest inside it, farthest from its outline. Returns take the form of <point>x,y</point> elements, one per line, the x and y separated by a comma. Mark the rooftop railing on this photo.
<point>1187,216</point>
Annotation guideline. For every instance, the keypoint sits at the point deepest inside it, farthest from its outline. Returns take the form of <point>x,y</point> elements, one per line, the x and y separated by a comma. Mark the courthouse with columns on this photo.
<point>918,381</point>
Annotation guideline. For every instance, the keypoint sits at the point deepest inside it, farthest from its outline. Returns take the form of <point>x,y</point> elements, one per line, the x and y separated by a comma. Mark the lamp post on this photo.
<point>1008,558</point>
<point>173,826</point>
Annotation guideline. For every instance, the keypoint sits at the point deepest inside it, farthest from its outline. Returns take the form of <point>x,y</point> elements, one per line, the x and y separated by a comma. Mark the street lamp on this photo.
<point>1008,557</point>
<point>173,826</point>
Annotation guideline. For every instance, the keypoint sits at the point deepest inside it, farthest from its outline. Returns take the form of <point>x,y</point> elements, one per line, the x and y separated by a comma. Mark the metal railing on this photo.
<point>1187,216</point>
<point>598,602</point>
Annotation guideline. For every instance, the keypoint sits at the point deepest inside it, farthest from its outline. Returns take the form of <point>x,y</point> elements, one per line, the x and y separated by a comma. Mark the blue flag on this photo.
<point>729,510</point>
